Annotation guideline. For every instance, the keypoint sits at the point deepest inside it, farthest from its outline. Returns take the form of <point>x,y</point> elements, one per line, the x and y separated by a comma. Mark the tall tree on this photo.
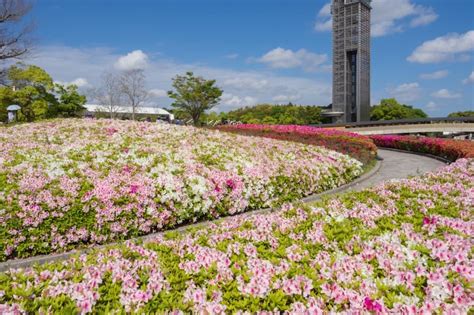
<point>15,33</point>
<point>390,109</point>
<point>194,95</point>
<point>30,87</point>
<point>132,86</point>
<point>109,95</point>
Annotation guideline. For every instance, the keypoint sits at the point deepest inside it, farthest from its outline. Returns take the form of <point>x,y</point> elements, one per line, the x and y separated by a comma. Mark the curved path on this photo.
<point>394,165</point>
<point>397,165</point>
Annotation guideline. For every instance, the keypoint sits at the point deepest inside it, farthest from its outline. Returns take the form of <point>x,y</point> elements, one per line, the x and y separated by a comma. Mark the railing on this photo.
<point>400,122</point>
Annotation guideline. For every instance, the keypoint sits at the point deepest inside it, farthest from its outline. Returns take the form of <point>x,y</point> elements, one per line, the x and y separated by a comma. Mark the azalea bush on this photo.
<point>449,149</point>
<point>404,247</point>
<point>69,183</point>
<point>357,146</point>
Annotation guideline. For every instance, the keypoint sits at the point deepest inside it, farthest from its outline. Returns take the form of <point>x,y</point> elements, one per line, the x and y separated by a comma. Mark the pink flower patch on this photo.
<point>134,188</point>
<point>372,305</point>
<point>231,184</point>
<point>428,221</point>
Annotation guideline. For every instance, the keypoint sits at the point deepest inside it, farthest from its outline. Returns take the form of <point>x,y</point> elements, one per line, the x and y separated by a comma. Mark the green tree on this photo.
<point>70,102</point>
<point>390,109</point>
<point>30,87</point>
<point>194,95</point>
<point>467,113</point>
<point>269,120</point>
<point>279,114</point>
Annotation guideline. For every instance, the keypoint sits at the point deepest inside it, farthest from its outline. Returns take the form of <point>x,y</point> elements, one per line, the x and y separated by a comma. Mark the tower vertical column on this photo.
<point>351,60</point>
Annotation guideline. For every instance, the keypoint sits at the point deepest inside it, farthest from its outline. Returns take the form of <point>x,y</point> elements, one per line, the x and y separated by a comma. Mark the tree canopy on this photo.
<point>390,109</point>
<point>70,103</point>
<point>276,114</point>
<point>33,89</point>
<point>467,113</point>
<point>193,95</point>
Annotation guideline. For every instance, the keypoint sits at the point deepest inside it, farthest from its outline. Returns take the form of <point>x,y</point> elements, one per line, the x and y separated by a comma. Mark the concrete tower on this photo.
<point>351,60</point>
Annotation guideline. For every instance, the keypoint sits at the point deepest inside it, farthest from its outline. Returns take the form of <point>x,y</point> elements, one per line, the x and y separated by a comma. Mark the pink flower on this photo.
<point>428,220</point>
<point>110,131</point>
<point>231,184</point>
<point>134,188</point>
<point>372,305</point>
<point>85,306</point>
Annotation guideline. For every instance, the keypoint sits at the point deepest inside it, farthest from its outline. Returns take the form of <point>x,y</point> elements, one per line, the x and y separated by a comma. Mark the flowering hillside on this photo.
<point>404,247</point>
<point>66,183</point>
<point>359,147</point>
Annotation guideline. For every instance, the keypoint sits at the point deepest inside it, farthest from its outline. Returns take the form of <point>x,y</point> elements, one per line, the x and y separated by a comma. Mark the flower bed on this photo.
<point>445,148</point>
<point>357,146</point>
<point>69,183</point>
<point>402,248</point>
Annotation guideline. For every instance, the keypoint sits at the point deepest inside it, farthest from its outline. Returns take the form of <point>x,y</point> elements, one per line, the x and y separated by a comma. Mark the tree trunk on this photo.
<point>196,119</point>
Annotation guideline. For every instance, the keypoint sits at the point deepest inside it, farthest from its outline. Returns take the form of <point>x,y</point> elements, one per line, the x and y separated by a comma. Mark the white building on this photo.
<point>126,111</point>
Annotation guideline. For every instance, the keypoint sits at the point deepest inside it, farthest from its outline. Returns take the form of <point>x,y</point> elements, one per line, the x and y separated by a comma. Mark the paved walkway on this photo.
<point>394,165</point>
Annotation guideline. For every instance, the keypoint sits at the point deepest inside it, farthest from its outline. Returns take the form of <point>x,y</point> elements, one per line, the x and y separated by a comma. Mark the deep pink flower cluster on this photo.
<point>446,148</point>
<point>357,146</point>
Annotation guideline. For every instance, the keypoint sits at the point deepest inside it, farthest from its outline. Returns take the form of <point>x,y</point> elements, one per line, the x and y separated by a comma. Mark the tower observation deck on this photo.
<point>351,60</point>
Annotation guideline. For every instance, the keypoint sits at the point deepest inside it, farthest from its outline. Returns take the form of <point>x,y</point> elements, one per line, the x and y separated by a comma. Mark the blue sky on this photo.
<point>262,50</point>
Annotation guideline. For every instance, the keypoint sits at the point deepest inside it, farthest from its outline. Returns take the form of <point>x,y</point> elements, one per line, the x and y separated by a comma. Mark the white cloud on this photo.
<point>283,98</point>
<point>387,16</point>
<point>280,58</point>
<point>446,94</point>
<point>231,100</point>
<point>432,106</point>
<point>79,82</point>
<point>158,93</point>
<point>450,47</point>
<point>406,92</point>
<point>434,75</point>
<point>424,16</point>
<point>136,59</point>
<point>469,79</point>
<point>245,83</point>
<point>324,20</point>
<point>66,63</point>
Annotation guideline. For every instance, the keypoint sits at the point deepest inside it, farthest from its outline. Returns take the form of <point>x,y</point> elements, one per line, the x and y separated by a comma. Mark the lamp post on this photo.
<point>12,111</point>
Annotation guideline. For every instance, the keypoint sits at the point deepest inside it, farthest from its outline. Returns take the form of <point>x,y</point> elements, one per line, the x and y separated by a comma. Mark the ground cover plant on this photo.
<point>357,146</point>
<point>449,149</point>
<point>69,183</point>
<point>404,247</point>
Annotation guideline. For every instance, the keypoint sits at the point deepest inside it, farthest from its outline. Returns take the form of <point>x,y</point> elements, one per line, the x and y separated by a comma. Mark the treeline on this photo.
<point>391,109</point>
<point>276,114</point>
<point>467,113</point>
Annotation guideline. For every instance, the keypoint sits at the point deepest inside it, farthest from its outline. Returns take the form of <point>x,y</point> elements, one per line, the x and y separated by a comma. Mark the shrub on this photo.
<point>446,148</point>
<point>401,248</point>
<point>69,183</point>
<point>357,146</point>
